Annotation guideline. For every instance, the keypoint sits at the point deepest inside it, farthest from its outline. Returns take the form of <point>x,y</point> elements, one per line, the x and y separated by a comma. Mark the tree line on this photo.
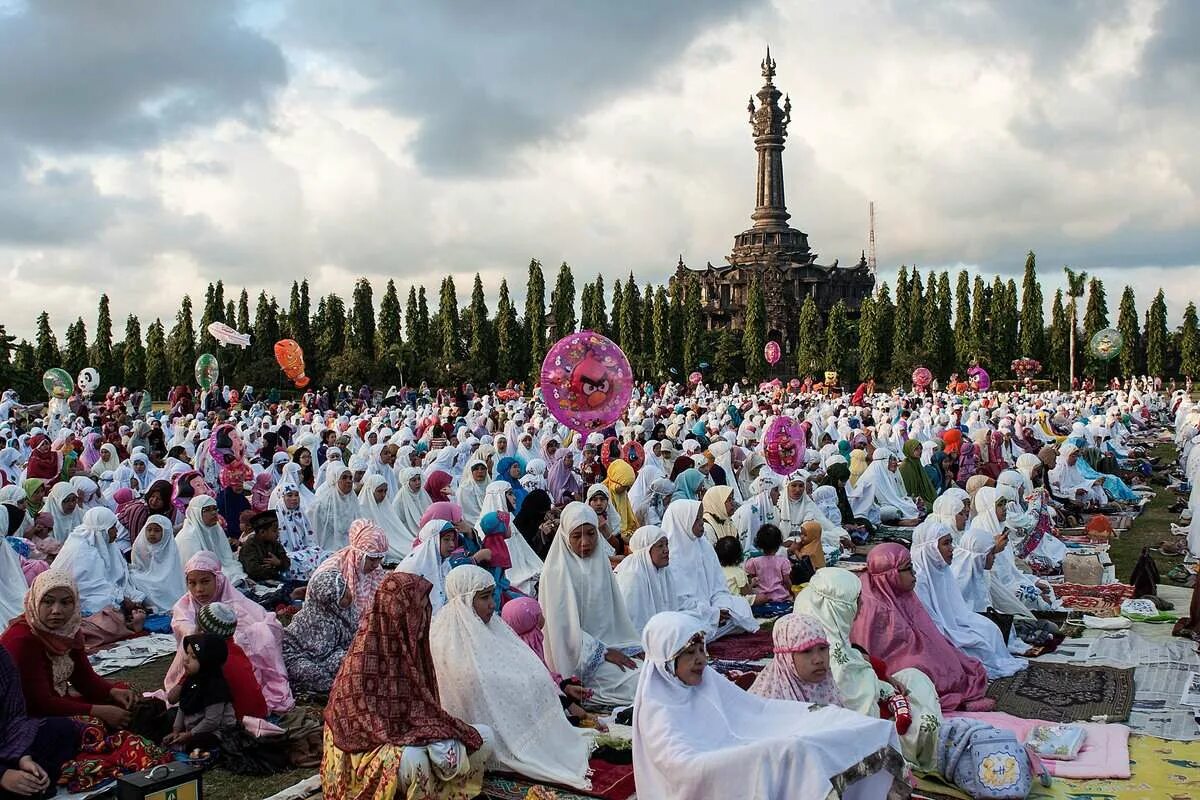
<point>660,328</point>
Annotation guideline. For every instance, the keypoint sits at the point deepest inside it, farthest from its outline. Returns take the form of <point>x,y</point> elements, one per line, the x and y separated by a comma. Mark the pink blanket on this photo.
<point>1105,752</point>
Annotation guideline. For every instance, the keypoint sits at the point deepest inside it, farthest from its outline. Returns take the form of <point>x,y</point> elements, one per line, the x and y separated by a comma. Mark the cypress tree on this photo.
<point>387,332</point>
<point>25,368</point>
<point>158,379</point>
<point>726,357</point>
<point>754,335</point>
<point>481,356</point>
<point>1003,337</point>
<point>917,298</point>
<point>1131,359</point>
<point>410,315</point>
<point>1060,327</point>
<point>450,342</point>
<point>599,308</point>
<point>981,329</point>
<point>101,355</point>
<point>243,312</point>
<point>901,326</point>
<point>587,308</point>
<point>839,354</point>
<point>75,352</point>
<point>134,354</point>
<point>1095,319</point>
<point>1156,336</point>
<point>885,319</point>
<point>933,346</point>
<point>331,338</point>
<point>181,345</point>
<point>618,304</point>
<point>868,339</point>
<point>809,358</point>
<point>562,301</point>
<point>302,329</point>
<point>945,359</point>
<point>1189,343</point>
<point>647,335</point>
<point>535,318</point>
<point>47,353</point>
<point>362,322</point>
<point>963,342</point>
<point>693,328</point>
<point>678,289</point>
<point>214,311</point>
<point>1033,341</point>
<point>508,338</point>
<point>631,318</point>
<point>662,334</point>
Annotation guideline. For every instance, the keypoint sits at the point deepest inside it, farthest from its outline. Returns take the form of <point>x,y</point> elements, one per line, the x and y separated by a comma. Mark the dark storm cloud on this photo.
<point>79,76</point>
<point>486,78</point>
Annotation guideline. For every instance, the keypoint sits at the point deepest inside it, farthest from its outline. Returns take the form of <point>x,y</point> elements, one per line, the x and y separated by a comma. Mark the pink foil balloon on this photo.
<point>586,381</point>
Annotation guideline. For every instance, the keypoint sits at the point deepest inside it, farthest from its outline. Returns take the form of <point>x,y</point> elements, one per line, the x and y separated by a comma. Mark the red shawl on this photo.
<point>45,464</point>
<point>386,690</point>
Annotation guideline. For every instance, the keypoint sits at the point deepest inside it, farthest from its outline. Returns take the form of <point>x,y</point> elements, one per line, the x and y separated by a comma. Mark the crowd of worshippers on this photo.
<point>471,586</point>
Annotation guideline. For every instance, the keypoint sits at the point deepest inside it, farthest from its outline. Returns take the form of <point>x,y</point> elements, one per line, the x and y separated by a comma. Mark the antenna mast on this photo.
<point>871,263</point>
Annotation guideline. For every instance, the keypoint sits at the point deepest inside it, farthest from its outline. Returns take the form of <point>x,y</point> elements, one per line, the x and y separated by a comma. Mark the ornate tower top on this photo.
<point>769,123</point>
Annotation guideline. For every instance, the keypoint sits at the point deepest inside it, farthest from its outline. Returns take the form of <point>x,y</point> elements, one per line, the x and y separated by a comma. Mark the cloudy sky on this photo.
<point>147,152</point>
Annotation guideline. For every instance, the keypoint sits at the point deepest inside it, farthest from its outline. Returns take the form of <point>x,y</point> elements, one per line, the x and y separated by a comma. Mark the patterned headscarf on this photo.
<point>386,691</point>
<point>796,633</point>
<point>58,643</point>
<point>367,540</point>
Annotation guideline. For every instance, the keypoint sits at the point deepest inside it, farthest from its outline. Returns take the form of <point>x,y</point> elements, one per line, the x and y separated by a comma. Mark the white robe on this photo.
<point>155,569</point>
<point>196,536</point>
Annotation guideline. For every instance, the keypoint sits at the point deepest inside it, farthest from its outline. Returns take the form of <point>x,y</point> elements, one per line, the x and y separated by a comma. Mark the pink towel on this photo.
<point>1105,752</point>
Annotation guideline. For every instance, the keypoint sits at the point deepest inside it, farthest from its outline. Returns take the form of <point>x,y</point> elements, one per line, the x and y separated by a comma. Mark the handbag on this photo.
<point>985,762</point>
<point>1144,578</point>
<point>1084,569</point>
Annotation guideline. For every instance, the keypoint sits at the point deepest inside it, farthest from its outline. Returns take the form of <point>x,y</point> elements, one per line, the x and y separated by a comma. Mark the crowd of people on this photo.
<point>467,585</point>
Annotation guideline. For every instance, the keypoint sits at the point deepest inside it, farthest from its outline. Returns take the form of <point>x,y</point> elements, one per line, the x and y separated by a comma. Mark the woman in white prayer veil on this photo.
<point>646,581</point>
<point>697,573</point>
<point>485,673</point>
<point>410,501</point>
<point>155,569</point>
<point>334,508</point>
<point>472,488</point>
<point>375,505</point>
<point>953,508</point>
<point>722,453</point>
<point>12,578</point>
<point>880,486</point>
<point>108,461</point>
<point>430,558</point>
<point>932,554</point>
<point>759,510</point>
<point>525,566</point>
<point>1011,591</point>
<point>1068,481</point>
<point>695,734</point>
<point>796,507</point>
<point>291,476</point>
<point>587,626</point>
<point>65,509</point>
<point>202,531</point>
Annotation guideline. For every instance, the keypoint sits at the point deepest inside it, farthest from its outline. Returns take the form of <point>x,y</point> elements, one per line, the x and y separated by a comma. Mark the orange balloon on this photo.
<point>291,360</point>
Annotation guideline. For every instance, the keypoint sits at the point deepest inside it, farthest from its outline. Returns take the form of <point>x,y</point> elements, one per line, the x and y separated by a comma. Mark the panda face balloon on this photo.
<point>88,380</point>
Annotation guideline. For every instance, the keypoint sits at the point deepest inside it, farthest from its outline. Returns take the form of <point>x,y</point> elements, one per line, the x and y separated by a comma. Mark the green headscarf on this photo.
<point>30,486</point>
<point>912,472</point>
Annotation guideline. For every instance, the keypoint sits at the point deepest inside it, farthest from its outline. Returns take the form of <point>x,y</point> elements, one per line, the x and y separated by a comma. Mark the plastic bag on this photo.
<point>1057,742</point>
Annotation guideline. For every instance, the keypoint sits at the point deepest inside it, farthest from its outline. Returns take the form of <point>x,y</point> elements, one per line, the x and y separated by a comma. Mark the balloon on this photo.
<point>704,365</point>
<point>794,383</point>
<point>771,352</point>
<point>695,377</point>
<point>785,444</point>
<point>291,360</point>
<point>57,383</point>
<point>88,380</point>
<point>830,377</point>
<point>207,370</point>
<point>921,377</point>
<point>508,394</point>
<point>227,335</point>
<point>586,381</point>
<point>979,378</point>
<point>630,452</point>
<point>1106,344</point>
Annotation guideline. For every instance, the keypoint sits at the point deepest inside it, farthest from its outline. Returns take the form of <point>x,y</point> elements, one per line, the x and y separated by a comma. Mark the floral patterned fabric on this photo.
<point>103,756</point>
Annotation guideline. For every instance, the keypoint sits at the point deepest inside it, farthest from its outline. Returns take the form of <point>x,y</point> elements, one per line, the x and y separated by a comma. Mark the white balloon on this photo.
<point>88,380</point>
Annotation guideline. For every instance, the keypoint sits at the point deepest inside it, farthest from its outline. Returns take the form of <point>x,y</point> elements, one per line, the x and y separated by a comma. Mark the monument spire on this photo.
<point>769,123</point>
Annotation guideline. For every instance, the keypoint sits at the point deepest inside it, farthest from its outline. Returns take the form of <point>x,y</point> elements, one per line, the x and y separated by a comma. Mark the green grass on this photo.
<point>1152,526</point>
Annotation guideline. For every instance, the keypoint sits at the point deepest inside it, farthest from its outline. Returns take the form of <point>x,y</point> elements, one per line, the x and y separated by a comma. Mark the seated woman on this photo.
<point>880,491</point>
<point>932,554</point>
<point>525,566</point>
<point>258,632</point>
<point>697,573</point>
<point>914,477</point>
<point>202,532</point>
<point>157,500</point>
<point>334,508</point>
<point>645,581</point>
<point>32,750</point>
<point>63,505</point>
<point>409,504</point>
<point>799,669</point>
<point>894,626</point>
<point>431,558</point>
<point>867,684</point>
<point>696,734</point>
<point>386,733</point>
<point>1067,480</point>
<point>360,564</point>
<point>47,647</point>
<point>319,635</point>
<point>485,673</point>
<point>587,625</point>
<point>154,569</point>
<point>297,537</point>
<point>1012,591</point>
<point>718,507</point>
<point>112,609</point>
<point>375,505</point>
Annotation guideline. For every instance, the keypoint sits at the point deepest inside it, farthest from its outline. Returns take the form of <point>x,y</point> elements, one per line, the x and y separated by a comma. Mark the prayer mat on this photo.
<point>771,610</point>
<point>609,782</point>
<point>743,646</point>
<point>1065,693</point>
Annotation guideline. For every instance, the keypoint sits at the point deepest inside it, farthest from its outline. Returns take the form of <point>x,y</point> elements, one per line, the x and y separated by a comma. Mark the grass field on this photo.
<point>1148,530</point>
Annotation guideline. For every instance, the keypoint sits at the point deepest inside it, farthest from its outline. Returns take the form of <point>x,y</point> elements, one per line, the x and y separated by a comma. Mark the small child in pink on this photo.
<point>772,570</point>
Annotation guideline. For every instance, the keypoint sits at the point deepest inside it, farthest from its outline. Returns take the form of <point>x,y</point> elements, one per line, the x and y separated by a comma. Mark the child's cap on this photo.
<point>264,520</point>
<point>217,619</point>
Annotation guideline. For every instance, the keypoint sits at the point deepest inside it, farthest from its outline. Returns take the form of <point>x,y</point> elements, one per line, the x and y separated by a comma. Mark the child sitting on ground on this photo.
<point>262,556</point>
<point>772,570</point>
<point>205,705</point>
<point>729,554</point>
